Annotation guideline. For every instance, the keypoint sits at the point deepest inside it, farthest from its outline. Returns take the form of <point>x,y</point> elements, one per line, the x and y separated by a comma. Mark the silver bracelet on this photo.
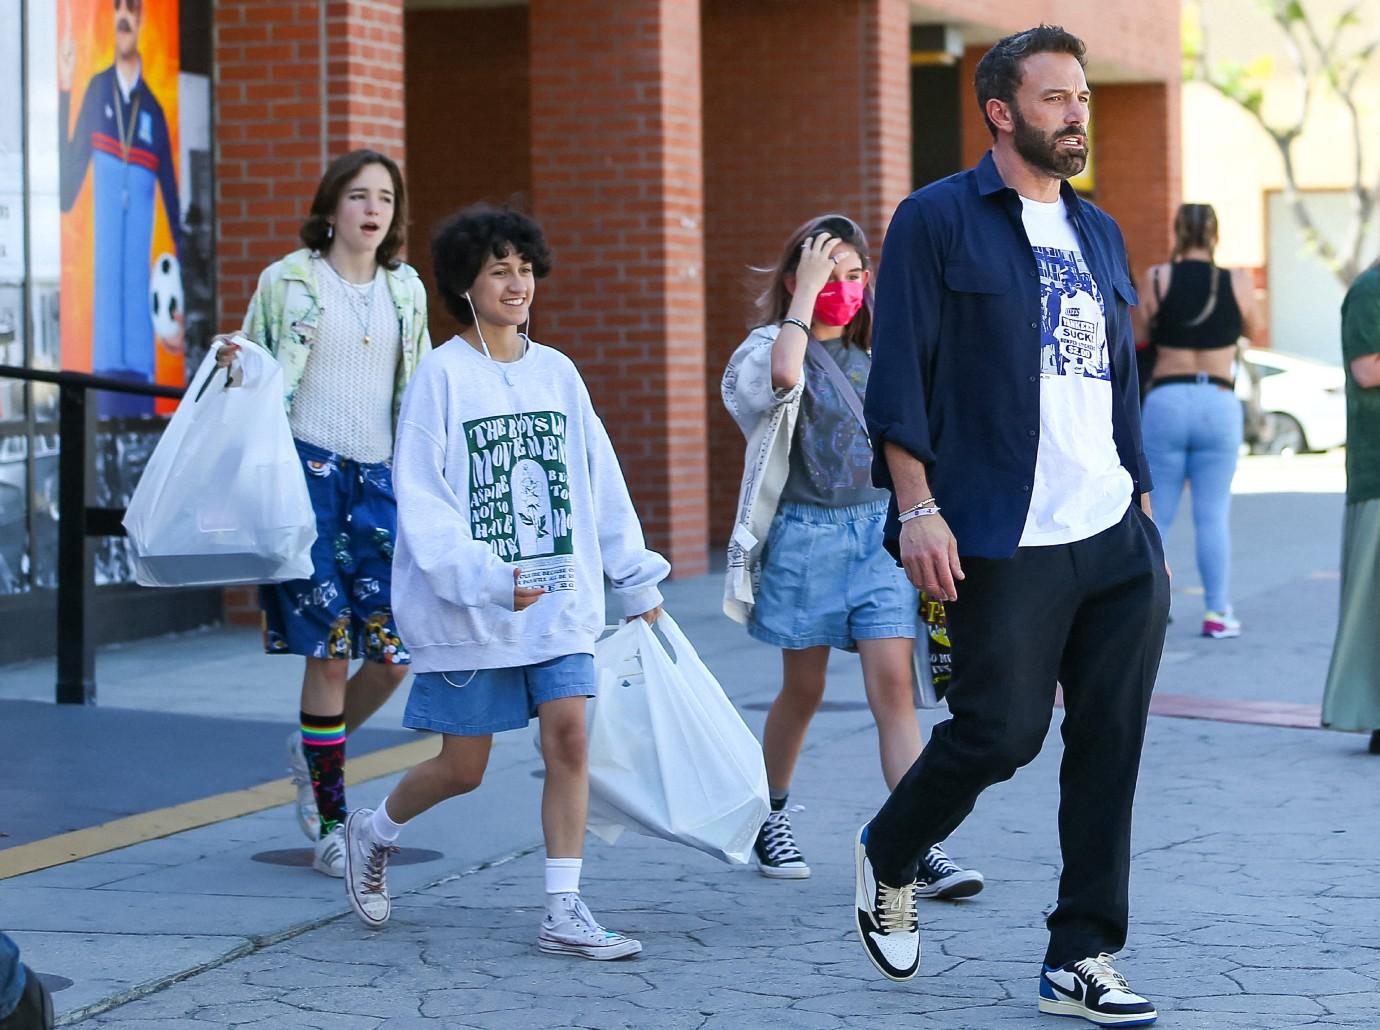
<point>796,322</point>
<point>917,511</point>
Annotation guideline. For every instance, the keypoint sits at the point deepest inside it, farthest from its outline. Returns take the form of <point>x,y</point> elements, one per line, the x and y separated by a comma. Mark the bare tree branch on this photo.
<point>1313,59</point>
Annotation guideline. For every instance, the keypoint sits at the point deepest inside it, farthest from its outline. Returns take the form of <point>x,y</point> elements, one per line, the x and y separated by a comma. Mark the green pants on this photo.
<point>1352,698</point>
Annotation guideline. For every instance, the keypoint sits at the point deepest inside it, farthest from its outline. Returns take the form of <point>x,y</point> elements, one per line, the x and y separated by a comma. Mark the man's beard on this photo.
<point>1044,152</point>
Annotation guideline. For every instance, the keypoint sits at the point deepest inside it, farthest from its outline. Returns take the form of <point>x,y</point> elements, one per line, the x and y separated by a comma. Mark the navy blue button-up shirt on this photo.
<point>956,352</point>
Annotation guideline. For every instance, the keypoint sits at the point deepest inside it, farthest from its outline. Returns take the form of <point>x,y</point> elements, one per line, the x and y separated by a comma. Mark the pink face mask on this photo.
<point>838,302</point>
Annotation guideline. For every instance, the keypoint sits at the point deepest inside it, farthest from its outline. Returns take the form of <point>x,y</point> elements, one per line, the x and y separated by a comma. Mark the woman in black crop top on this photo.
<point>1194,314</point>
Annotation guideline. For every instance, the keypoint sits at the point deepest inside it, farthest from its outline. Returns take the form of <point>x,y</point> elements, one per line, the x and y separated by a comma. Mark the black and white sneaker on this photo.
<point>1092,989</point>
<point>939,877</point>
<point>776,851</point>
<point>885,918</point>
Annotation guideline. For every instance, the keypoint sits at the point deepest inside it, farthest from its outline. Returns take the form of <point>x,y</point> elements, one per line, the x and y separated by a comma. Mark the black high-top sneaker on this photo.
<point>939,877</point>
<point>776,851</point>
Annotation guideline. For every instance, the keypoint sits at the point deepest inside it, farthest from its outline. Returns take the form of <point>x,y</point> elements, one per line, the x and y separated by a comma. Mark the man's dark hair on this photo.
<point>999,72</point>
<point>316,230</point>
<point>464,241</point>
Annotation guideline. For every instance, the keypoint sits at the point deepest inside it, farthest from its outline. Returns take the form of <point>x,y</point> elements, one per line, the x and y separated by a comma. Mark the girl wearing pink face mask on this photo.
<point>806,567</point>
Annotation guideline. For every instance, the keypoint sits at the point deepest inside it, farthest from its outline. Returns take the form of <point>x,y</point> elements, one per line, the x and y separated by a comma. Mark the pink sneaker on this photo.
<point>1221,625</point>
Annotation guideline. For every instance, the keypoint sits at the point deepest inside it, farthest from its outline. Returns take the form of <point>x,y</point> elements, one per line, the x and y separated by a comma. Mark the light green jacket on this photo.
<point>285,314</point>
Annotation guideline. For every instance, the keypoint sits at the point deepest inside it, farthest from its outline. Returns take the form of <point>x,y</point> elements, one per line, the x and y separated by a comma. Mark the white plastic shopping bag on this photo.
<point>669,755</point>
<point>223,498</point>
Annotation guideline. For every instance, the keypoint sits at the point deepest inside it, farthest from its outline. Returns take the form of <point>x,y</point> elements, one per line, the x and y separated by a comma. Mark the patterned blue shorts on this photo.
<point>344,610</point>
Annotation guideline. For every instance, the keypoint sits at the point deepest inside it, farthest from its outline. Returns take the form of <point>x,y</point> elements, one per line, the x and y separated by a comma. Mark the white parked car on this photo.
<point>1302,403</point>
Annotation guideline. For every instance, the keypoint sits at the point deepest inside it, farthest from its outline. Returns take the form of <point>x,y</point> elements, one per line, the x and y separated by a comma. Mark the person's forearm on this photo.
<point>788,352</point>
<point>909,480</point>
<point>1366,371</point>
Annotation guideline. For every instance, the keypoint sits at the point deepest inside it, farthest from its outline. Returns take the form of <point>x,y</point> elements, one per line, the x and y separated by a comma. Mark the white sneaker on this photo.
<point>1221,625</point>
<point>329,857</point>
<point>366,869</point>
<point>577,932</point>
<point>307,816</point>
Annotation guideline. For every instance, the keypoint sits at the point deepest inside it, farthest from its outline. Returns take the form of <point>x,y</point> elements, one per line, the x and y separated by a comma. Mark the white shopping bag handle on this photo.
<point>672,640</point>
<point>252,360</point>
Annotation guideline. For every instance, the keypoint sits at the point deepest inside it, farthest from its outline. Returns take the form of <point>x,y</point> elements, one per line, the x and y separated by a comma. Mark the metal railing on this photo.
<point>79,521</point>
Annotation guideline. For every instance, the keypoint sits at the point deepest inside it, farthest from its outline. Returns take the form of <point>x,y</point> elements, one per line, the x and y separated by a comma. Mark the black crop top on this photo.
<point>1189,317</point>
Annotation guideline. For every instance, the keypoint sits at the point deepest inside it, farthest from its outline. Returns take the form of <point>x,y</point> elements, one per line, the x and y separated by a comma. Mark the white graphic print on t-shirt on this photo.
<point>1079,487</point>
<point>1073,338</point>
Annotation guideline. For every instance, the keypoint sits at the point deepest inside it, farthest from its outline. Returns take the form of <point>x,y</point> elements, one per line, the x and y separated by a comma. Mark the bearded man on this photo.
<point>1004,393</point>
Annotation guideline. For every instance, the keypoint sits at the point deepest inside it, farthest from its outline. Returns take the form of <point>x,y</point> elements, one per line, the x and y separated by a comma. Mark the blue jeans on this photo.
<point>1193,435</point>
<point>11,976</point>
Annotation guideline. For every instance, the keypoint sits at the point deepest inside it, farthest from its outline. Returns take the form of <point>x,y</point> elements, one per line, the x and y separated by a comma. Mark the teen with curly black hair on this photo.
<point>512,510</point>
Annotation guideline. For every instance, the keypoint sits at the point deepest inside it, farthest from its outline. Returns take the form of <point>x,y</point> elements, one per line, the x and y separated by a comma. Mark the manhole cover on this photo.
<point>303,856</point>
<point>824,706</point>
<point>53,982</point>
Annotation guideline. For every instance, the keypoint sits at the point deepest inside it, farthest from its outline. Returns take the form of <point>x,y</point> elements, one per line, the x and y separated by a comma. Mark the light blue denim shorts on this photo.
<point>827,580</point>
<point>476,703</point>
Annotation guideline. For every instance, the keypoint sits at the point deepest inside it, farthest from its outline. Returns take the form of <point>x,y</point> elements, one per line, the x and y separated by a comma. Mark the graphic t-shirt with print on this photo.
<point>831,458</point>
<point>504,467</point>
<point>1080,486</point>
<point>519,496</point>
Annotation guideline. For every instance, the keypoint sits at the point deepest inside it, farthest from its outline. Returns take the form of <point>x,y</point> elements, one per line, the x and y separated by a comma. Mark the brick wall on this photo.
<point>791,131</point>
<point>1137,36</point>
<point>468,69</point>
<point>977,139</point>
<point>270,136</point>
<point>617,184</point>
<point>269,127</point>
<point>1136,136</point>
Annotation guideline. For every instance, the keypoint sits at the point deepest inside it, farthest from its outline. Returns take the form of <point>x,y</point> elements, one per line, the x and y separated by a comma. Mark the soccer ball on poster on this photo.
<point>165,296</point>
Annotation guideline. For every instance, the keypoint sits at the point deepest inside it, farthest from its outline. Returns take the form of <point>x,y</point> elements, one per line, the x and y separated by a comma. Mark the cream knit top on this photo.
<point>345,400</point>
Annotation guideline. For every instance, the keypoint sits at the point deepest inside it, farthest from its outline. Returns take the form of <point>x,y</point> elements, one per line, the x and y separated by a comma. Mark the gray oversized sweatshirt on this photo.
<point>504,466</point>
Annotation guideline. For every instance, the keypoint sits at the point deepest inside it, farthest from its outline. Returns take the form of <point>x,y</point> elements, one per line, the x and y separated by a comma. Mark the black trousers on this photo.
<point>1089,616</point>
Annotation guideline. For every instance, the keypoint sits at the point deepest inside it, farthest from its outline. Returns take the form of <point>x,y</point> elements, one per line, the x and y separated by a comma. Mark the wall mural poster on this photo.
<point>128,197</point>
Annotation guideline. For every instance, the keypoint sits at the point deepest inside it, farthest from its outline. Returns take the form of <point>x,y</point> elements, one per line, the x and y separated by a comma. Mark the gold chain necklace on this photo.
<point>368,303</point>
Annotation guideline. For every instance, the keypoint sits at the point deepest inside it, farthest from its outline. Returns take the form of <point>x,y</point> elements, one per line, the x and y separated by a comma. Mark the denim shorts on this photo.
<point>345,609</point>
<point>476,703</point>
<point>827,580</point>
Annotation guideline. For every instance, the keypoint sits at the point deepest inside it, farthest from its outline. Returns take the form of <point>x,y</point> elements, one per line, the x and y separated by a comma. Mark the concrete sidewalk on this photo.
<point>1255,897</point>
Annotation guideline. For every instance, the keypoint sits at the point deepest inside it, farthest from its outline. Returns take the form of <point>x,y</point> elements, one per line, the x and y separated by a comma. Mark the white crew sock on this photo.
<point>562,876</point>
<point>382,826</point>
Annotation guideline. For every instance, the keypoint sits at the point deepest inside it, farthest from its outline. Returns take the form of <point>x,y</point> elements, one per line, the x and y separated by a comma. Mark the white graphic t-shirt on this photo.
<point>1080,486</point>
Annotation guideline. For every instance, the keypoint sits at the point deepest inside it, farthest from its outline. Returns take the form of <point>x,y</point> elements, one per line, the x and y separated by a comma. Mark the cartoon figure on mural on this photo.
<point>122,134</point>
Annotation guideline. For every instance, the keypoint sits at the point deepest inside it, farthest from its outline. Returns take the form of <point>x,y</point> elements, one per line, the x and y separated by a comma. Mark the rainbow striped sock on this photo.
<point>323,744</point>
